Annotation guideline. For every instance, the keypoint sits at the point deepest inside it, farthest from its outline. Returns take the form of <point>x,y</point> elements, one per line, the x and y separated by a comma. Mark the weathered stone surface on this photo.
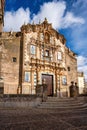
<point>43,119</point>
<point>36,51</point>
<point>20,101</point>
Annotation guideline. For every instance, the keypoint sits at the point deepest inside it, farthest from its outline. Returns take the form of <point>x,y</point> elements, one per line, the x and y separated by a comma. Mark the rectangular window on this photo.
<point>27,76</point>
<point>47,53</point>
<point>35,79</point>
<point>68,68</point>
<point>64,80</point>
<point>33,49</point>
<point>14,59</point>
<point>59,55</point>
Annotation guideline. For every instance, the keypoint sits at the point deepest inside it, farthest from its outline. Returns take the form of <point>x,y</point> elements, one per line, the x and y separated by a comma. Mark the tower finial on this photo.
<point>24,23</point>
<point>39,21</point>
<point>45,19</point>
<point>33,22</point>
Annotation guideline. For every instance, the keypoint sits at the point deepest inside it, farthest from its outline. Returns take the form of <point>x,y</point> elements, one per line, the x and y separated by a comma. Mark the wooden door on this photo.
<point>49,82</point>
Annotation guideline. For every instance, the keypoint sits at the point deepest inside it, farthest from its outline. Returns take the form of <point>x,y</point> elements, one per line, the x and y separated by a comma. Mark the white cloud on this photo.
<point>54,11</point>
<point>70,19</point>
<point>82,65</point>
<point>82,60</point>
<point>15,19</point>
<point>79,33</point>
<point>82,3</point>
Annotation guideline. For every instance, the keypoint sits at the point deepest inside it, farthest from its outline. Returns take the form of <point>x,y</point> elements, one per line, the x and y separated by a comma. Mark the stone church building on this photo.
<point>35,55</point>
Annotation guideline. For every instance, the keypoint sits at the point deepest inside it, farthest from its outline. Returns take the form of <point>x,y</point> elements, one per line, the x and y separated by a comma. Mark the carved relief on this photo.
<point>41,36</point>
<point>1,47</point>
<point>47,38</point>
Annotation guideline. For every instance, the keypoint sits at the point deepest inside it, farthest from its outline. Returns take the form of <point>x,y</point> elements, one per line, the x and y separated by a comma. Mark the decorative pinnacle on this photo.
<point>45,19</point>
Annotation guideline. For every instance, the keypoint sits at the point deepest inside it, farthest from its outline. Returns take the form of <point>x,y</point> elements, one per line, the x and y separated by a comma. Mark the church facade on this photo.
<point>35,55</point>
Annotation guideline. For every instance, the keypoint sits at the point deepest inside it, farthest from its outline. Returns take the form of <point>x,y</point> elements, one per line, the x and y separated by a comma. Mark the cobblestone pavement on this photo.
<point>42,119</point>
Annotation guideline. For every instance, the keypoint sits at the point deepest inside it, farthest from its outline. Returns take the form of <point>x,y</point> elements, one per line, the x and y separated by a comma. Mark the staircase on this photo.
<point>64,103</point>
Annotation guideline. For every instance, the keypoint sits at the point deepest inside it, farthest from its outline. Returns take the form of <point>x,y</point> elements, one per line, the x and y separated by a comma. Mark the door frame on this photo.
<point>52,82</point>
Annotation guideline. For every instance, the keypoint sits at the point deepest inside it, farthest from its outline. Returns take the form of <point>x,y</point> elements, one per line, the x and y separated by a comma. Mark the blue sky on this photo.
<point>68,17</point>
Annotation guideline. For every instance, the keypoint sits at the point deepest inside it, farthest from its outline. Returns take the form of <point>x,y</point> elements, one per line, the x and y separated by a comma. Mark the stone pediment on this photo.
<point>46,29</point>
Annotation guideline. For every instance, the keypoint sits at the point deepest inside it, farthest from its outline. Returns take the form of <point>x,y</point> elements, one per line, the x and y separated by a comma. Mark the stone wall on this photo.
<point>9,62</point>
<point>13,101</point>
<point>71,67</point>
<point>38,49</point>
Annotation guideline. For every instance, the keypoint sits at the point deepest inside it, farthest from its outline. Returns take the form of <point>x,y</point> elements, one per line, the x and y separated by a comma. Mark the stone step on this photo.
<point>60,104</point>
<point>56,102</point>
<point>68,102</point>
<point>84,106</point>
<point>65,99</point>
<point>63,103</point>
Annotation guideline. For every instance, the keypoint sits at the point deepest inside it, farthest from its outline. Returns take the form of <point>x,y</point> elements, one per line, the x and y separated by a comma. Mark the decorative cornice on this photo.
<point>43,27</point>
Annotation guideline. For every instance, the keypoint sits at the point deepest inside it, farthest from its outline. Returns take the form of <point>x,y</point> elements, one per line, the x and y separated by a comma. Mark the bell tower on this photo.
<point>2,3</point>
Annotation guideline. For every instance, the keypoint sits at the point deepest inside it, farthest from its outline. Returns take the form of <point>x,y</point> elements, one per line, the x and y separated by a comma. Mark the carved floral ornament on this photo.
<point>61,71</point>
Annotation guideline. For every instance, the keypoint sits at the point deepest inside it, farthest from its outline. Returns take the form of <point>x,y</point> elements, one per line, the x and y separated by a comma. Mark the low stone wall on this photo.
<point>14,101</point>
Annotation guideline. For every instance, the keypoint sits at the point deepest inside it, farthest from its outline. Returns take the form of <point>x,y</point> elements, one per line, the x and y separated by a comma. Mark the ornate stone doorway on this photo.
<point>49,81</point>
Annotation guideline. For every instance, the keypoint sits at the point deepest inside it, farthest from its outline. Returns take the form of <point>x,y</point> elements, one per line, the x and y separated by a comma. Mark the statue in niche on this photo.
<point>47,37</point>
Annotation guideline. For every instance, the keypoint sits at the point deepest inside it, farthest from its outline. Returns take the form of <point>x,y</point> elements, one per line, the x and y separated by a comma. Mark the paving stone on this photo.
<point>42,119</point>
